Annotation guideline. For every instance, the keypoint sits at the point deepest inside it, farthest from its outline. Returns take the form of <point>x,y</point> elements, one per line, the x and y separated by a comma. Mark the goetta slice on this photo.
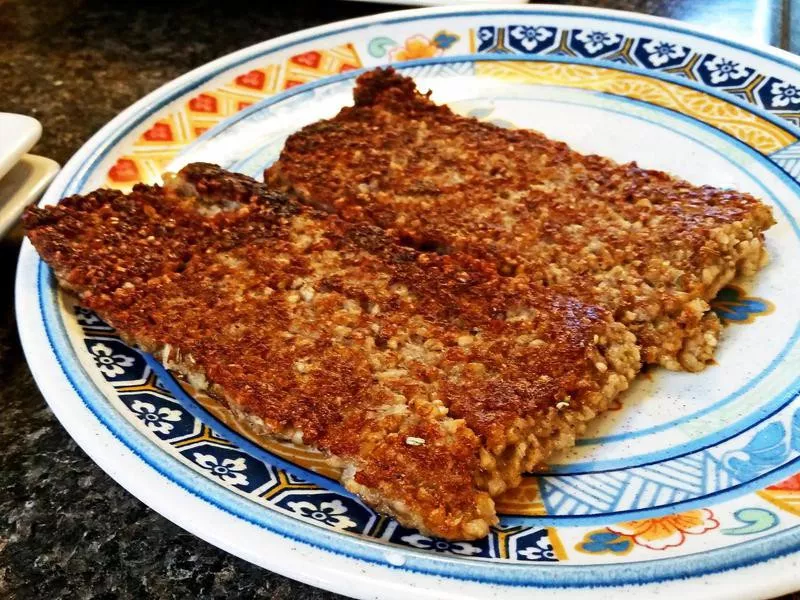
<point>433,381</point>
<point>650,248</point>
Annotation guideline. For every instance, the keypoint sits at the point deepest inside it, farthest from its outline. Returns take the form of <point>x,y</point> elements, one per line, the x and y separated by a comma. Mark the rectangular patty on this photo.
<point>433,381</point>
<point>650,248</point>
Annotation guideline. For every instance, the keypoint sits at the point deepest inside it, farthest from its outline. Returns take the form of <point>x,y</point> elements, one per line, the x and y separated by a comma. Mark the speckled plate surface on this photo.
<point>691,485</point>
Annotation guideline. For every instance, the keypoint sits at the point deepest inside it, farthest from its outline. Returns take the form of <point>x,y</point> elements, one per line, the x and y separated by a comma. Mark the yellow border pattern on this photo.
<point>150,154</point>
<point>751,129</point>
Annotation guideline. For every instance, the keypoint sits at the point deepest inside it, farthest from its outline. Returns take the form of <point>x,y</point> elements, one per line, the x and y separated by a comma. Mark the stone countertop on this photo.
<point>66,529</point>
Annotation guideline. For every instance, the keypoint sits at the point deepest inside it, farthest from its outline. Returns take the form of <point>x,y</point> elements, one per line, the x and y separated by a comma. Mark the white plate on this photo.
<point>22,185</point>
<point>19,134</point>
<point>442,2</point>
<point>691,487</point>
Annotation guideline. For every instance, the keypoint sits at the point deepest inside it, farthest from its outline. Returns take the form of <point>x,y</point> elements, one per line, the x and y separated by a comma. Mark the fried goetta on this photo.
<point>431,380</point>
<point>650,248</point>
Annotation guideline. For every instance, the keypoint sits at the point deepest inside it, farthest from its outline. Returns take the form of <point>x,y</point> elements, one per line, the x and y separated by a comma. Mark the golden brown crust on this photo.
<point>329,334</point>
<point>649,247</point>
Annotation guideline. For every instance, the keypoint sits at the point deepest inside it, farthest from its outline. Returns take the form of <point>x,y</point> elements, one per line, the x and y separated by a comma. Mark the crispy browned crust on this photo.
<point>649,247</point>
<point>433,381</point>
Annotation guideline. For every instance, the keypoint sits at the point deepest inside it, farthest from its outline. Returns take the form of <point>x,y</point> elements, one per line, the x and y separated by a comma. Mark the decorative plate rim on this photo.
<point>112,453</point>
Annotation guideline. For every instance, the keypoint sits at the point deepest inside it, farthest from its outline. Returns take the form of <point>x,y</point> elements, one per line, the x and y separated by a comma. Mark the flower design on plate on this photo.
<point>230,470</point>
<point>417,540</point>
<point>603,541</point>
<point>333,513</point>
<point>109,363</point>
<point>486,38</point>
<point>784,94</point>
<point>722,69</point>
<point>530,37</point>
<point>444,39</point>
<point>595,41</point>
<point>486,34</point>
<point>660,53</point>
<point>159,420</point>
<point>417,46</point>
<point>539,550</point>
<point>84,316</point>
<point>668,531</point>
<point>733,305</point>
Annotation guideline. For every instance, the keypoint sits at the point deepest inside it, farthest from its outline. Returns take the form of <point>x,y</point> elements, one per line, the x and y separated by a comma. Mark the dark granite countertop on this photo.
<point>66,529</point>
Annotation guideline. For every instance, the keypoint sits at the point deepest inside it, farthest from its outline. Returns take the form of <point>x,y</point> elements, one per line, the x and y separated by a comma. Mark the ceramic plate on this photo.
<point>22,185</point>
<point>691,485</point>
<point>20,133</point>
<point>442,2</point>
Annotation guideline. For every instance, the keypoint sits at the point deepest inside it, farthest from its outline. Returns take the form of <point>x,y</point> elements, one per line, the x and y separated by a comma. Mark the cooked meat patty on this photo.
<point>650,248</point>
<point>433,381</point>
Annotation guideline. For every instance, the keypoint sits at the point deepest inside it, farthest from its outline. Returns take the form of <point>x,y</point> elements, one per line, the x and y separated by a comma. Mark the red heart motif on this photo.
<point>243,105</point>
<point>309,59</point>
<point>254,80</point>
<point>160,132</point>
<point>291,83</point>
<point>347,67</point>
<point>124,170</point>
<point>203,103</point>
<point>198,131</point>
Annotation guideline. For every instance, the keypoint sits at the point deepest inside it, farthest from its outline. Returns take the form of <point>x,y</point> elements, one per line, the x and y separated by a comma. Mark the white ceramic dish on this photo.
<point>23,184</point>
<point>19,134</point>
<point>690,488</point>
<point>443,2</point>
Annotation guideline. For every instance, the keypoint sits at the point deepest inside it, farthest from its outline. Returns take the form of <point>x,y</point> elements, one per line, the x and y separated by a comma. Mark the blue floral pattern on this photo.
<point>733,305</point>
<point>487,38</point>
<point>418,540</point>
<point>160,413</point>
<point>160,420</point>
<point>604,541</point>
<point>593,43</point>
<point>532,544</point>
<point>89,321</point>
<point>529,38</point>
<point>84,316</point>
<point>783,94</point>
<point>658,53</point>
<point>229,470</point>
<point>110,364</point>
<point>723,71</point>
<point>720,72</point>
<point>228,464</point>
<point>486,547</point>
<point>326,508</point>
<point>332,513</point>
<point>445,39</point>
<point>116,362</point>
